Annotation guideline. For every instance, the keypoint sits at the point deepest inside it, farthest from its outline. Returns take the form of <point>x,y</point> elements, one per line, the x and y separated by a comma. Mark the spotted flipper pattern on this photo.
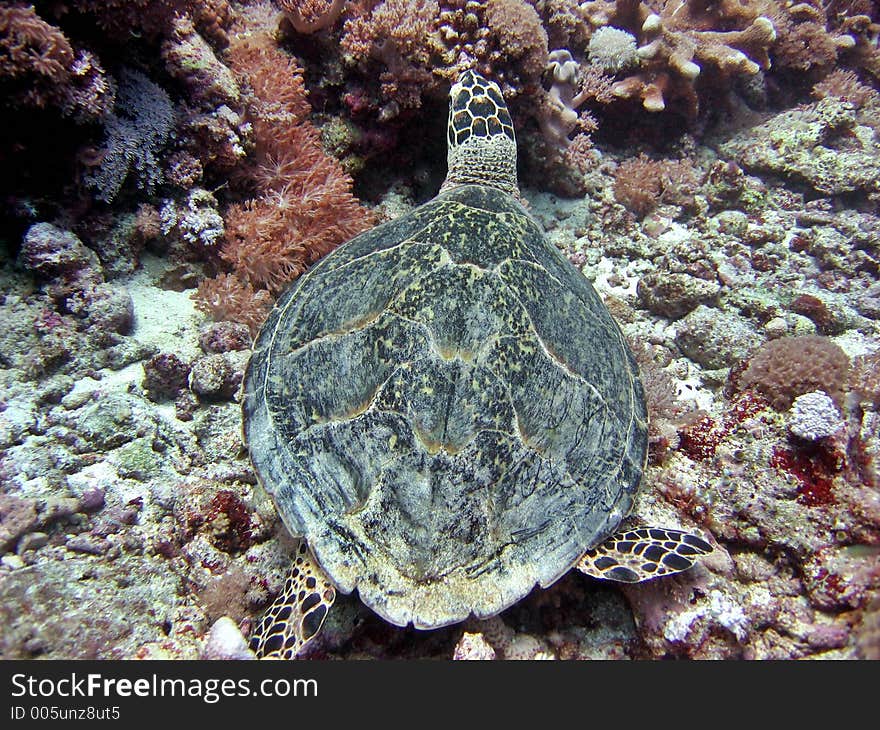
<point>296,616</point>
<point>631,556</point>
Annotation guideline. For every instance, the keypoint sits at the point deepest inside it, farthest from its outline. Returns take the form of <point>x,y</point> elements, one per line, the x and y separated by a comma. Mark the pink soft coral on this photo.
<point>302,207</point>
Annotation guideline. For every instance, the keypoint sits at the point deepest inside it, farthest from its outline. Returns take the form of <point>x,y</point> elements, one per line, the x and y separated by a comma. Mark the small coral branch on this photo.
<point>559,116</point>
<point>227,297</point>
<point>641,184</point>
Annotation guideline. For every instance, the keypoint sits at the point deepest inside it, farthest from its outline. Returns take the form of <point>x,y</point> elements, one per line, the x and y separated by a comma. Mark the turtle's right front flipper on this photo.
<point>631,556</point>
<point>298,613</point>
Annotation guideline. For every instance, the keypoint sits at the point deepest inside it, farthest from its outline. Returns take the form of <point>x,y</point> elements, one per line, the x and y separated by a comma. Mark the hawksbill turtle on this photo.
<point>446,413</point>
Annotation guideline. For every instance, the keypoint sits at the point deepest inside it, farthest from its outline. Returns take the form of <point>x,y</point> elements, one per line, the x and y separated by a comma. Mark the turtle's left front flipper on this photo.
<point>296,616</point>
<point>634,555</point>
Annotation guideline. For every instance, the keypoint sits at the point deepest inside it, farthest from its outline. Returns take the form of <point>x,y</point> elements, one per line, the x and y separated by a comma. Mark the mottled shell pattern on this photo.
<point>443,407</point>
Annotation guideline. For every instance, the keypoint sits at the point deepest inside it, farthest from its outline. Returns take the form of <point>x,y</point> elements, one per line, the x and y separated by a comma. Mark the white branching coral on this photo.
<point>196,220</point>
<point>814,416</point>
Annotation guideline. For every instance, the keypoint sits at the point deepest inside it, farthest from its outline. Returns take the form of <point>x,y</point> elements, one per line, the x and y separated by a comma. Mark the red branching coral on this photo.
<point>40,68</point>
<point>303,207</point>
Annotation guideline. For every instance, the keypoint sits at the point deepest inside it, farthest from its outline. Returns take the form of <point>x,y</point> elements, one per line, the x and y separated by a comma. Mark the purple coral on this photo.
<point>136,133</point>
<point>51,252</point>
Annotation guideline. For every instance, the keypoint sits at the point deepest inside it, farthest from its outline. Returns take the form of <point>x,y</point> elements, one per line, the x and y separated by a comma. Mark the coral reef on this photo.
<point>136,133</point>
<point>820,144</point>
<point>641,184</point>
<point>423,43</point>
<point>196,221</point>
<point>171,162</point>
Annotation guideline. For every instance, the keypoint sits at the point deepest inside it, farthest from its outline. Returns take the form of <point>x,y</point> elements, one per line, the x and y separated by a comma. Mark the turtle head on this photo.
<point>482,145</point>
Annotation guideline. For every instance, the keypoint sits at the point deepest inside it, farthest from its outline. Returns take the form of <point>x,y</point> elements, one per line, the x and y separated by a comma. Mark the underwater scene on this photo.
<point>443,329</point>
